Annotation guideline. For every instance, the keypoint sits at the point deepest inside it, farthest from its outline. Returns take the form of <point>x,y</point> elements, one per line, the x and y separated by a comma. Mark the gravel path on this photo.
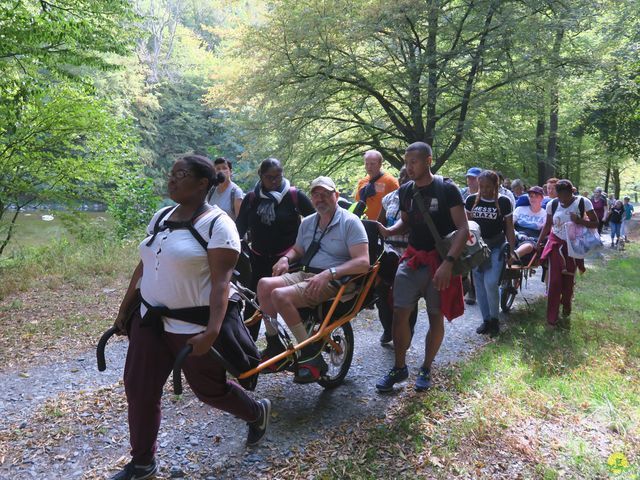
<point>67,420</point>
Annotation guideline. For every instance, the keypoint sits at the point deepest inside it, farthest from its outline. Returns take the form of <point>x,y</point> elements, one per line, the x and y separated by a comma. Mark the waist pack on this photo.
<point>475,251</point>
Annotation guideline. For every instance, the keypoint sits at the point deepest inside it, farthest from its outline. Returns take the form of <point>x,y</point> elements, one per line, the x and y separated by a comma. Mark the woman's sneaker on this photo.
<point>258,428</point>
<point>395,375</point>
<point>132,471</point>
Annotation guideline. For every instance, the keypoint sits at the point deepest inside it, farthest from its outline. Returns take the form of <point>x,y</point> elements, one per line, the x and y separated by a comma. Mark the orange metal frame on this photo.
<point>326,327</point>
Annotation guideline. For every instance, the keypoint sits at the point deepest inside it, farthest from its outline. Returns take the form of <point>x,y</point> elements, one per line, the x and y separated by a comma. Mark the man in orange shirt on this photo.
<point>372,188</point>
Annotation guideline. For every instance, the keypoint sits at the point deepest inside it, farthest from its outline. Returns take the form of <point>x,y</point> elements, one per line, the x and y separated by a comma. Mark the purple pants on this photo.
<point>149,362</point>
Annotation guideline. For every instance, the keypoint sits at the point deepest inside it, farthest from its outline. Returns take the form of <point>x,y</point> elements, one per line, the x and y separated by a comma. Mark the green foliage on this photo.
<point>132,204</point>
<point>58,141</point>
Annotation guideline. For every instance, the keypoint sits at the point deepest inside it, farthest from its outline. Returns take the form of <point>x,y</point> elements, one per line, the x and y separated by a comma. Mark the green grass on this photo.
<point>75,248</point>
<point>569,381</point>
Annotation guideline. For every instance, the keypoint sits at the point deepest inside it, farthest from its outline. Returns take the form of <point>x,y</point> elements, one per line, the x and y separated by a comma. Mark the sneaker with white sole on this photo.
<point>258,428</point>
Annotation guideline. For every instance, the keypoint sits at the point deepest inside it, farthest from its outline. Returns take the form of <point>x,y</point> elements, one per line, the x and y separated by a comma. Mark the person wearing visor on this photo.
<point>331,244</point>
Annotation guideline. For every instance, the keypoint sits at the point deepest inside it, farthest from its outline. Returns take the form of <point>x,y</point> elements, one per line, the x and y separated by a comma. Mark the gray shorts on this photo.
<point>411,284</point>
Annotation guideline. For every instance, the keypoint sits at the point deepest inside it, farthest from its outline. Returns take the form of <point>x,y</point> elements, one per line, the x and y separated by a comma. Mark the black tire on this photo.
<point>508,291</point>
<point>339,364</point>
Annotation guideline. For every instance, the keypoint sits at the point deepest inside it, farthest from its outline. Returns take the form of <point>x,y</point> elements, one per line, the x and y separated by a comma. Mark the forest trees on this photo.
<point>502,83</point>
<point>57,139</point>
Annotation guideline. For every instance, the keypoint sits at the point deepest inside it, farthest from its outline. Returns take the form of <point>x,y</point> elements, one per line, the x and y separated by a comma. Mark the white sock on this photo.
<point>299,331</point>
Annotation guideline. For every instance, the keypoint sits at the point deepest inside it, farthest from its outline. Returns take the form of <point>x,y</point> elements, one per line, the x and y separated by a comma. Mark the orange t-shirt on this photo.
<point>385,184</point>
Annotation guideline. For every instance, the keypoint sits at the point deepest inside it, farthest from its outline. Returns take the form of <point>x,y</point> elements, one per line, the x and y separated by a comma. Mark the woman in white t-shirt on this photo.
<point>562,268</point>
<point>184,282</point>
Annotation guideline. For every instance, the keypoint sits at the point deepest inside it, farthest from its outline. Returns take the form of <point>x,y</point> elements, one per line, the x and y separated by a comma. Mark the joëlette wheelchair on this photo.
<point>514,276</point>
<point>328,325</point>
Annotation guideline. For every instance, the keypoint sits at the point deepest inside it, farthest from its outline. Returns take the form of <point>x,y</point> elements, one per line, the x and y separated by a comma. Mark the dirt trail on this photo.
<point>67,420</point>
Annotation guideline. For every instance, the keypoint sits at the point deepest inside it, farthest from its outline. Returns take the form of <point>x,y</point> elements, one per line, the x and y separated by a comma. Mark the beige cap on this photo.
<point>324,182</point>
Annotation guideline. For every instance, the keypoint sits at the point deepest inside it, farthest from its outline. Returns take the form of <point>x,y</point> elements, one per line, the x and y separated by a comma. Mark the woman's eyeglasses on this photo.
<point>273,178</point>
<point>179,174</point>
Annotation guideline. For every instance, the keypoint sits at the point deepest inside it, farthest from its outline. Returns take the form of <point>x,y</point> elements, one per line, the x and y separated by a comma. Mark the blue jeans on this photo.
<point>615,230</point>
<point>486,283</point>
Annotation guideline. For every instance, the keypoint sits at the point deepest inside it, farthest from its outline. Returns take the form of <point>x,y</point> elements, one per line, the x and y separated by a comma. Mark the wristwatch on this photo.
<point>449,258</point>
<point>333,272</point>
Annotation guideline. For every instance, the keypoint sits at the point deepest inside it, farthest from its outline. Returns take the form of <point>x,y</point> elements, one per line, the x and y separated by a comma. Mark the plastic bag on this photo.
<point>582,241</point>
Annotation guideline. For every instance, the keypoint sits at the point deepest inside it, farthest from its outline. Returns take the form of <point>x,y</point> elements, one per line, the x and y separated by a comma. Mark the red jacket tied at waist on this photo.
<point>556,242</point>
<point>452,297</point>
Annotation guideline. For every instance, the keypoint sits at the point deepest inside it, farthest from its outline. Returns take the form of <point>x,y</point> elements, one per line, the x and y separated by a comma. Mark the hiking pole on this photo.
<point>102,364</point>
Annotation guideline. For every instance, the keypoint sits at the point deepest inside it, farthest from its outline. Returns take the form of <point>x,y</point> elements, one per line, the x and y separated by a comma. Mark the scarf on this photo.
<point>268,200</point>
<point>369,190</point>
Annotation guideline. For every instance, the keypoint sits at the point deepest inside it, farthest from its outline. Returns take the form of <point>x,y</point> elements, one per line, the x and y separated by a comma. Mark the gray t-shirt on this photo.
<point>226,199</point>
<point>344,231</point>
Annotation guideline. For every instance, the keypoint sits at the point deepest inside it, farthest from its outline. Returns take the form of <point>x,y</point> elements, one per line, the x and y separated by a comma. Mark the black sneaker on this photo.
<point>395,375</point>
<point>494,327</point>
<point>137,472</point>
<point>470,298</point>
<point>483,328</point>
<point>274,347</point>
<point>258,428</point>
<point>385,338</point>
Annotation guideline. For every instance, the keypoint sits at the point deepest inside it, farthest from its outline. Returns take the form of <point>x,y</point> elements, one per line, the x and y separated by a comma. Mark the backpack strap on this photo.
<point>211,225</point>
<point>554,206</point>
<point>156,227</point>
<point>294,197</point>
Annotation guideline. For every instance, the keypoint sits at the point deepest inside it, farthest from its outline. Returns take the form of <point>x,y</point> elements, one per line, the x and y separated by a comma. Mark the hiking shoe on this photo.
<point>385,338</point>
<point>395,375</point>
<point>483,328</point>
<point>423,380</point>
<point>494,327</point>
<point>470,299</point>
<point>311,370</point>
<point>258,428</point>
<point>274,347</point>
<point>132,471</point>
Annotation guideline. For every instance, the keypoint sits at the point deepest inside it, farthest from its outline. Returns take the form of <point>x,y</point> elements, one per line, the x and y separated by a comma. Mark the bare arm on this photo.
<point>221,264</point>
<point>237,202</point>
<point>399,228</point>
<point>545,231</point>
<point>282,265</point>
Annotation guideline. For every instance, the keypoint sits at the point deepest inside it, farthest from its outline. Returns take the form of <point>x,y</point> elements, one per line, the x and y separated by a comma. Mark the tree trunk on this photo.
<point>607,176</point>
<point>540,157</point>
<point>616,182</point>
<point>554,102</point>
<point>578,164</point>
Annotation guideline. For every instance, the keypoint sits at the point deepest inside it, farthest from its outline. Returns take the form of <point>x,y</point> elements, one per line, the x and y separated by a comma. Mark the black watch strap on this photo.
<point>449,258</point>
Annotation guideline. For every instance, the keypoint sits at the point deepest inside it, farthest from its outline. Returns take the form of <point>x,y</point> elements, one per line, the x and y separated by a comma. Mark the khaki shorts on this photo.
<point>299,280</point>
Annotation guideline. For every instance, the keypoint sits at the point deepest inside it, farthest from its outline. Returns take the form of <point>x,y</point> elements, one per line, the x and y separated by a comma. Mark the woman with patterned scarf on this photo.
<point>270,215</point>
